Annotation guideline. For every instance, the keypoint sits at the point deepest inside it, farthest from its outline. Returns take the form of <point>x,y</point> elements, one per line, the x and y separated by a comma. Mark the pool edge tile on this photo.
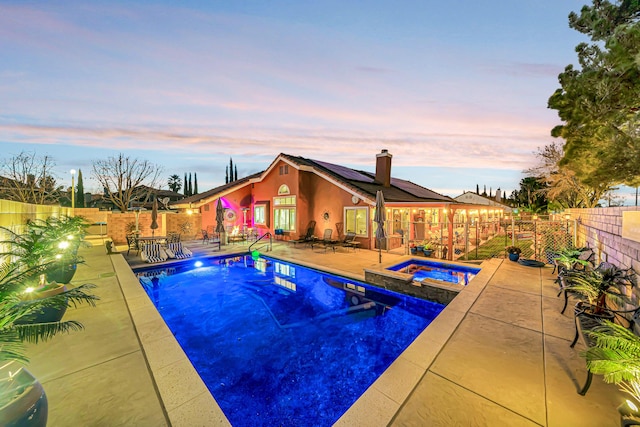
<point>372,409</point>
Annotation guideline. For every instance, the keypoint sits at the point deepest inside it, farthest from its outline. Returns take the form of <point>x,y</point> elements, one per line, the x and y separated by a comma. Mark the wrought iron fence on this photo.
<point>537,238</point>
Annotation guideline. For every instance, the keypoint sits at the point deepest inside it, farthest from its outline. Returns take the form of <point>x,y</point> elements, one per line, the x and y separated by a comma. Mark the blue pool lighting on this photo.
<point>278,344</point>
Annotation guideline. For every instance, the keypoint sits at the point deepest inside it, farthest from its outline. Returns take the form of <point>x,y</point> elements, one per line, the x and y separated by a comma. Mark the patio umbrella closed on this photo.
<point>154,216</point>
<point>219,217</point>
<point>379,219</point>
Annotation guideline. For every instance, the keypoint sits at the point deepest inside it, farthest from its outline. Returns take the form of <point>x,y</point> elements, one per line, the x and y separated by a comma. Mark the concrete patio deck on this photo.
<point>498,355</point>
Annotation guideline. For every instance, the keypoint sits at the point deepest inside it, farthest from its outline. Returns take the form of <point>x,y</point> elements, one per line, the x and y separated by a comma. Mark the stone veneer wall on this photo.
<point>439,292</point>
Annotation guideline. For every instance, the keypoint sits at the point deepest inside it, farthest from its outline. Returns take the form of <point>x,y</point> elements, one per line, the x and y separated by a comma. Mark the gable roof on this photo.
<point>217,191</point>
<point>487,199</point>
<point>364,183</point>
<point>357,182</point>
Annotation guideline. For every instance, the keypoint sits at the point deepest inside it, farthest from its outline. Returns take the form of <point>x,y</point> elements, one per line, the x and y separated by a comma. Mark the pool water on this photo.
<point>452,273</point>
<point>278,344</point>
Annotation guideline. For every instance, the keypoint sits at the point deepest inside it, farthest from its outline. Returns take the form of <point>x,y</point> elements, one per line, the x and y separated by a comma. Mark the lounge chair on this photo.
<point>177,251</point>
<point>350,241</point>
<point>308,237</point>
<point>326,241</point>
<point>153,252</point>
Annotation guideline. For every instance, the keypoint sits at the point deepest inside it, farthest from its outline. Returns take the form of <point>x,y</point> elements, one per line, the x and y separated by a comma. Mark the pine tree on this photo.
<point>236,174</point>
<point>186,188</point>
<point>195,183</point>
<point>80,191</point>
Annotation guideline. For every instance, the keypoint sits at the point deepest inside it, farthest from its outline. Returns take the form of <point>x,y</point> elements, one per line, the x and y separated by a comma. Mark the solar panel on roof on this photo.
<point>345,172</point>
<point>416,190</point>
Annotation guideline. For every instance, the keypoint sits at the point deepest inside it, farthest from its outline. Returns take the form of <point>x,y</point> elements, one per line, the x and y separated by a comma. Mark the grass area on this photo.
<point>494,247</point>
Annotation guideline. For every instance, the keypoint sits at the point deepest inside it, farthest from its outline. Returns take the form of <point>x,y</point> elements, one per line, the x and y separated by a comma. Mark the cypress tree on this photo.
<point>477,189</point>
<point>186,189</point>
<point>190,185</point>
<point>226,175</point>
<point>195,183</point>
<point>230,169</point>
<point>236,174</point>
<point>80,191</point>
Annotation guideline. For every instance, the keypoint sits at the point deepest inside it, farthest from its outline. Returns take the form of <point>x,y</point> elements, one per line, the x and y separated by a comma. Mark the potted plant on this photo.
<point>22,398</point>
<point>413,248</point>
<point>605,283</point>
<point>615,354</point>
<point>570,258</point>
<point>514,252</point>
<point>67,234</point>
<point>427,249</point>
<point>52,244</point>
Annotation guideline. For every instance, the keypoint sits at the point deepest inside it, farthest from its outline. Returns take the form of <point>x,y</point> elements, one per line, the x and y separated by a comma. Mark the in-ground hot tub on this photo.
<point>437,271</point>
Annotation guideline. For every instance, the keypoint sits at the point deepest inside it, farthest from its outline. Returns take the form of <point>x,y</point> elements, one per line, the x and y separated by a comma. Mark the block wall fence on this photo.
<point>14,215</point>
<point>601,229</point>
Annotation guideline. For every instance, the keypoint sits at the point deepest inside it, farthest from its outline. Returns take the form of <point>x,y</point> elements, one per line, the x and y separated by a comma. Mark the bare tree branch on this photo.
<point>29,179</point>
<point>126,179</point>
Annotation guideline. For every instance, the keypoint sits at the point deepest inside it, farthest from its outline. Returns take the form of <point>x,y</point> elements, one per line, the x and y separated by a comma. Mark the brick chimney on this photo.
<point>383,168</point>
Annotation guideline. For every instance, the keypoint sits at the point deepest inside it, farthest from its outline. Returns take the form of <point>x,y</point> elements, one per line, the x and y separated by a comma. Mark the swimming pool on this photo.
<point>422,269</point>
<point>280,344</point>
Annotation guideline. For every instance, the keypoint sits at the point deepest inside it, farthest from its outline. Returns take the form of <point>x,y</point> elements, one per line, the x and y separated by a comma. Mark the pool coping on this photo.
<point>188,402</point>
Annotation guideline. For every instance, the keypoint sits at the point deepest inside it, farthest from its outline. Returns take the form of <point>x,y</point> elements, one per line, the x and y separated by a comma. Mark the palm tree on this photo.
<point>174,183</point>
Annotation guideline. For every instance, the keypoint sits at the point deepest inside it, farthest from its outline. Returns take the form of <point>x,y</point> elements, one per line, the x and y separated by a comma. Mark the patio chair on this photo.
<point>153,252</point>
<point>178,251</point>
<point>326,241</point>
<point>205,236</point>
<point>350,241</point>
<point>132,243</point>
<point>308,237</point>
<point>214,239</point>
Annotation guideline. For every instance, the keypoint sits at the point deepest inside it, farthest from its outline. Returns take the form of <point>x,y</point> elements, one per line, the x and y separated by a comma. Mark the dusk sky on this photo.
<point>457,91</point>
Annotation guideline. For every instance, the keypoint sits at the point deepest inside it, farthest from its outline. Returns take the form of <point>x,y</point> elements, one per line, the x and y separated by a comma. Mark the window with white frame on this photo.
<point>284,213</point>
<point>283,189</point>
<point>260,214</point>
<point>355,221</point>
